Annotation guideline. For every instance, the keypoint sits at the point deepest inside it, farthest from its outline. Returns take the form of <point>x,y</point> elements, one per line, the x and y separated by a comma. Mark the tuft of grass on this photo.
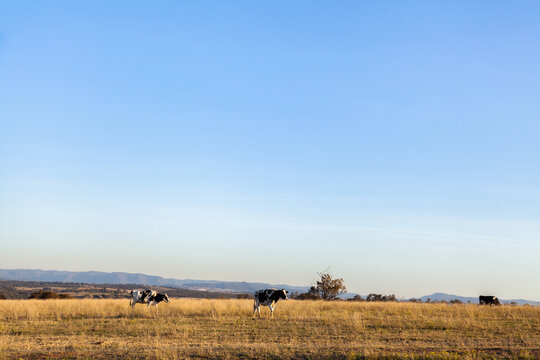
<point>224,329</point>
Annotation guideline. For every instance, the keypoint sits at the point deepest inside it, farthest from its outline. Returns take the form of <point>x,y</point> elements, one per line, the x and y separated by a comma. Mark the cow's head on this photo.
<point>283,294</point>
<point>496,301</point>
<point>166,298</point>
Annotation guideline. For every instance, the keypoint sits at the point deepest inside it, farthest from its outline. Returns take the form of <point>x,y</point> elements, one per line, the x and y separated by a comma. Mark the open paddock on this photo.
<point>224,329</point>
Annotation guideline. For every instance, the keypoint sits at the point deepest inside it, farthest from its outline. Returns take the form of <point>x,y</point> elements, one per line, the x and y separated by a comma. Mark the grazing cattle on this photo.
<point>268,297</point>
<point>150,297</point>
<point>488,300</point>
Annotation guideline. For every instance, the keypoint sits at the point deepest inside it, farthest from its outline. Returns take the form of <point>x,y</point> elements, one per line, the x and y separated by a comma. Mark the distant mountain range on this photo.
<point>98,277</point>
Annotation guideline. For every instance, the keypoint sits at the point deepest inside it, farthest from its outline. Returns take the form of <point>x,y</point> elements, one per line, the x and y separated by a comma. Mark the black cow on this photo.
<point>268,297</point>
<point>488,300</point>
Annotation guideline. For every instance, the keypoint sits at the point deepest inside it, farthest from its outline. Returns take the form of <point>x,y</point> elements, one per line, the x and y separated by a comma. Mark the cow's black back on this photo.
<point>270,295</point>
<point>158,297</point>
<point>488,300</point>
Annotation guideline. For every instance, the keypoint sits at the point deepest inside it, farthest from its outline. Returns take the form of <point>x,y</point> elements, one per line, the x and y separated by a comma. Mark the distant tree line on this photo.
<point>46,294</point>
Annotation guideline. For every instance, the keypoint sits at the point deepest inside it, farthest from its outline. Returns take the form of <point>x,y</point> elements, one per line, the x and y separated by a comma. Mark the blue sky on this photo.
<point>396,142</point>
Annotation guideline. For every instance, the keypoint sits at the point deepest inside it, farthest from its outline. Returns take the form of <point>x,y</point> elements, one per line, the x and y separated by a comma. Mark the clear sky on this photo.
<point>396,142</point>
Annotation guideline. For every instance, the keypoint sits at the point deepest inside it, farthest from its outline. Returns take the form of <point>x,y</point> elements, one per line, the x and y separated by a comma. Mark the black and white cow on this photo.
<point>268,297</point>
<point>488,300</point>
<point>150,297</point>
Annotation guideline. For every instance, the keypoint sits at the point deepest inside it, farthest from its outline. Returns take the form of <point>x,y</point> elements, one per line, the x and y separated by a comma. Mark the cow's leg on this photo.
<point>271,310</point>
<point>256,307</point>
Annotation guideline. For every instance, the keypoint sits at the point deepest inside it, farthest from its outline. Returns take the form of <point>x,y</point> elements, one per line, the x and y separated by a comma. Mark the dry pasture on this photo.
<point>224,329</point>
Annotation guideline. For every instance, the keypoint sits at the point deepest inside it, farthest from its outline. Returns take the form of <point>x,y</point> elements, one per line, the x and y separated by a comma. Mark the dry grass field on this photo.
<point>224,329</point>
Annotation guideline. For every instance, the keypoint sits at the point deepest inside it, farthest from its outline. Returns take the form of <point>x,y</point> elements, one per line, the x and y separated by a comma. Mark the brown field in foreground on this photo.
<point>209,329</point>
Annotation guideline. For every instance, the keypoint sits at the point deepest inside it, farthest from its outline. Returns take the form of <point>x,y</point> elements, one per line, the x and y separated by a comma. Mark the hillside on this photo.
<point>16,289</point>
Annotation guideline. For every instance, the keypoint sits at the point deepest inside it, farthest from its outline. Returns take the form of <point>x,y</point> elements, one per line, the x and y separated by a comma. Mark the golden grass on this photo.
<point>208,329</point>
